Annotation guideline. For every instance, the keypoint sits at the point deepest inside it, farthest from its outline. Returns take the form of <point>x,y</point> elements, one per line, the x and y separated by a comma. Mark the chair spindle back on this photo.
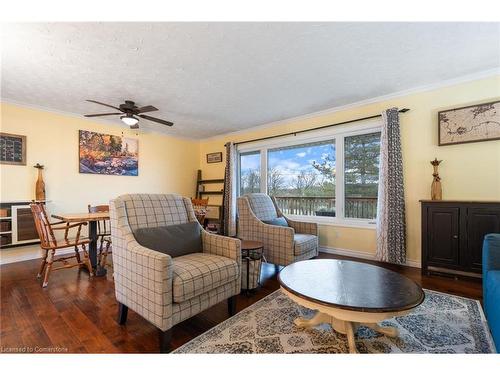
<point>42,225</point>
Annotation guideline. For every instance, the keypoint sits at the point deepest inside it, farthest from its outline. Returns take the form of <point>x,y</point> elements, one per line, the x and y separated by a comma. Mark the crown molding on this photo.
<point>93,121</point>
<point>398,94</point>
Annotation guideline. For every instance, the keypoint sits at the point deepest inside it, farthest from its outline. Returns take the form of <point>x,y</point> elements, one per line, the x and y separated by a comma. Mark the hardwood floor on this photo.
<point>75,314</point>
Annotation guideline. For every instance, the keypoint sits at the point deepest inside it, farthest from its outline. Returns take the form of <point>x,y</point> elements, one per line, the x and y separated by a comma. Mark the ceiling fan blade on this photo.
<point>104,114</point>
<point>107,105</point>
<point>148,108</point>
<point>168,123</point>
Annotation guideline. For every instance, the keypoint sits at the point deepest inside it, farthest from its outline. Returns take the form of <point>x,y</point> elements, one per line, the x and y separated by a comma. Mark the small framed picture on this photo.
<point>12,149</point>
<point>214,157</point>
<point>474,123</point>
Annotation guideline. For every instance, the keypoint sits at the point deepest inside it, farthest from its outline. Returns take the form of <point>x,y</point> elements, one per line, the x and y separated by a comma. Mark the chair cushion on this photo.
<point>303,243</point>
<point>195,274</point>
<point>280,221</point>
<point>262,206</point>
<point>174,240</point>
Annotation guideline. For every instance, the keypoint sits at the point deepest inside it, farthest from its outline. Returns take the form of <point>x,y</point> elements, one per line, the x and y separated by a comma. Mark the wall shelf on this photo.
<point>201,192</point>
<point>213,181</point>
<point>200,186</point>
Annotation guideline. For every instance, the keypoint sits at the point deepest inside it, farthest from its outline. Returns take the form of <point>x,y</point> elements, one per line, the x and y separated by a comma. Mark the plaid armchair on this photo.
<point>282,245</point>
<point>162,289</point>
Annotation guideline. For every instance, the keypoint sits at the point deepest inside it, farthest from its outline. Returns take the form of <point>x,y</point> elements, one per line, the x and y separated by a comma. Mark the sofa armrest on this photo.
<point>221,245</point>
<point>143,277</point>
<point>303,227</point>
<point>224,246</point>
<point>491,252</point>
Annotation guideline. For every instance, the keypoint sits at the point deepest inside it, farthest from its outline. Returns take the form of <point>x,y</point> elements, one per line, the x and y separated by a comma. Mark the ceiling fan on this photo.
<point>129,112</point>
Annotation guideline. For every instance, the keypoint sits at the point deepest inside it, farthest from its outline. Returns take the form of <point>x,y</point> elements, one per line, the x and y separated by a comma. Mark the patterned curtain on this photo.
<point>391,224</point>
<point>229,199</point>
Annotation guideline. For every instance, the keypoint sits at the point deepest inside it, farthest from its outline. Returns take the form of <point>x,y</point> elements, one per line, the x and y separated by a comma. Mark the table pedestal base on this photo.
<point>344,327</point>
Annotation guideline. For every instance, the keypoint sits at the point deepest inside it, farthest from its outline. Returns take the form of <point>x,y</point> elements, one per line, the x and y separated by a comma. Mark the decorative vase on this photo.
<point>436,189</point>
<point>40,184</point>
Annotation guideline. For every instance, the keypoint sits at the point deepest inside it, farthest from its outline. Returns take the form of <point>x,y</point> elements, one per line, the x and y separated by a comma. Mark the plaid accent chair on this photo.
<point>162,289</point>
<point>282,245</point>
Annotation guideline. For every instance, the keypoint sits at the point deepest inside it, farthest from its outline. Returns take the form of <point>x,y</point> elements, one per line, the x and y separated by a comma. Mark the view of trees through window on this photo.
<point>361,164</point>
<point>302,177</point>
<point>250,173</point>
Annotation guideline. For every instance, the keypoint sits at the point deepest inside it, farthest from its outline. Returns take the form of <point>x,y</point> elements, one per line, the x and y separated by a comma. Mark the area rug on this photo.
<point>441,324</point>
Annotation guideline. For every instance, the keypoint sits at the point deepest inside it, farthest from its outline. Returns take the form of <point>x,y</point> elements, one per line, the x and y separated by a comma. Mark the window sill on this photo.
<point>361,224</point>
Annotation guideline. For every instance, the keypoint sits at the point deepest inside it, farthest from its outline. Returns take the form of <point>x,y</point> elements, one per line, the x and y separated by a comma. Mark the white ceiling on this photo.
<point>214,78</point>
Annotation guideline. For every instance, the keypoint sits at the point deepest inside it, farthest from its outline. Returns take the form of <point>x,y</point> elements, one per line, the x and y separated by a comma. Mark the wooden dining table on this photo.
<point>92,219</point>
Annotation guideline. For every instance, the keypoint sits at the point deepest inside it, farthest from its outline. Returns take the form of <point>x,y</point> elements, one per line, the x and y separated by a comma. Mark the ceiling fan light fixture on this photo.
<point>130,111</point>
<point>130,120</point>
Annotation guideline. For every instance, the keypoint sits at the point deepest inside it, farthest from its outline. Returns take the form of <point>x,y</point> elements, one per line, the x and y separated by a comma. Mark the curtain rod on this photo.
<point>318,128</point>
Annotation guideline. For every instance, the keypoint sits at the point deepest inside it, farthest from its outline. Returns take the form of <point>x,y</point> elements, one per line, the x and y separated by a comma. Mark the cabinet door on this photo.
<point>480,221</point>
<point>443,236</point>
<point>26,229</point>
<point>23,225</point>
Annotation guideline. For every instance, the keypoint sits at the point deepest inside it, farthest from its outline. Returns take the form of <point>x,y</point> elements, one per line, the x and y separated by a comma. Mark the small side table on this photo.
<point>252,254</point>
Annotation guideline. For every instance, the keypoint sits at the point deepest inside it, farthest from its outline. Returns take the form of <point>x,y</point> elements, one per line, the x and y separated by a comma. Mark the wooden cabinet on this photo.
<point>443,243</point>
<point>452,235</point>
<point>25,224</point>
<point>17,224</point>
<point>480,221</point>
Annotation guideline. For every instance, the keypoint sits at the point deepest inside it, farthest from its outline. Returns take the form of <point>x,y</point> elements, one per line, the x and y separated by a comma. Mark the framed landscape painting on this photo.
<point>475,123</point>
<point>108,154</point>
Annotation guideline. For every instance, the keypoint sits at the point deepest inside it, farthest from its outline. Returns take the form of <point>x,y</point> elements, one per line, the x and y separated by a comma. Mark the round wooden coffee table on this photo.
<point>348,294</point>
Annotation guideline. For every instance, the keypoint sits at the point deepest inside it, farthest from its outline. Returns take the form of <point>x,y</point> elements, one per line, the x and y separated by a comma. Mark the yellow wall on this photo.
<point>468,171</point>
<point>166,164</point>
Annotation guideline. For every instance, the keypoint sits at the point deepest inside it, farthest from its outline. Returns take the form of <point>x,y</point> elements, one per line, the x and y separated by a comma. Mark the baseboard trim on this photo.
<point>360,254</point>
<point>37,254</point>
<point>28,254</point>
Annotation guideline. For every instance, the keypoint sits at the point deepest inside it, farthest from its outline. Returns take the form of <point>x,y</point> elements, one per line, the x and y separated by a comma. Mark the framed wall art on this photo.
<point>108,154</point>
<point>474,123</point>
<point>12,149</point>
<point>214,157</point>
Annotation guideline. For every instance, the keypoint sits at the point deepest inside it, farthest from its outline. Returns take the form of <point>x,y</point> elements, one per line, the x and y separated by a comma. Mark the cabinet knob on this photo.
<point>455,236</point>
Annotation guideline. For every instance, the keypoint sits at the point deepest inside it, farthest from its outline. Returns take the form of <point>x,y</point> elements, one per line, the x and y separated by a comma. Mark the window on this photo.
<point>361,162</point>
<point>302,178</point>
<point>325,176</point>
<point>249,173</point>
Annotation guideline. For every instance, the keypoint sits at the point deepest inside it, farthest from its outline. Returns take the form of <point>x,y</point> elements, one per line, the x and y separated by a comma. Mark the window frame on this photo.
<point>337,133</point>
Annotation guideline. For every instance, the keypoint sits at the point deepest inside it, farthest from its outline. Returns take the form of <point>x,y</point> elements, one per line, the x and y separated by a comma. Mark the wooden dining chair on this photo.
<point>103,233</point>
<point>200,209</point>
<point>49,243</point>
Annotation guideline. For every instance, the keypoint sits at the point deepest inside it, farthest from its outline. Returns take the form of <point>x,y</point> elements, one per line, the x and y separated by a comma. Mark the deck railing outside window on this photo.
<point>355,207</point>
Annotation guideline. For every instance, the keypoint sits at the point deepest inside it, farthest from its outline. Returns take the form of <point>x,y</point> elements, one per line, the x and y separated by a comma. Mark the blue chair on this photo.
<point>491,284</point>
